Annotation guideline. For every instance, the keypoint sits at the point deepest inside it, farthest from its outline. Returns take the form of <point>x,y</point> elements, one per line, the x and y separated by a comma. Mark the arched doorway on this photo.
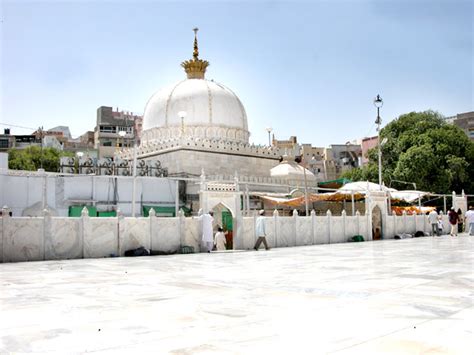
<point>223,217</point>
<point>377,233</point>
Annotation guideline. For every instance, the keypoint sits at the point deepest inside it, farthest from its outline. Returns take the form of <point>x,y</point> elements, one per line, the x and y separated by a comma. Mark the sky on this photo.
<point>304,68</point>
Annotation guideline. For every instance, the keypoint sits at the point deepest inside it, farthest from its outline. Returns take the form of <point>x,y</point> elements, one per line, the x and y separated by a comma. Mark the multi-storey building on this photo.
<point>325,163</point>
<point>465,121</point>
<point>367,144</point>
<point>114,130</point>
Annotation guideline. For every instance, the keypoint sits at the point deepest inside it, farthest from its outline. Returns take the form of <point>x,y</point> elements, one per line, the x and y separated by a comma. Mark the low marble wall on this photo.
<point>47,237</point>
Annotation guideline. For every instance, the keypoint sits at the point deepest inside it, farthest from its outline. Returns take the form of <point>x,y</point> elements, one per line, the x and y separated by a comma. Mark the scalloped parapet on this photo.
<point>150,149</point>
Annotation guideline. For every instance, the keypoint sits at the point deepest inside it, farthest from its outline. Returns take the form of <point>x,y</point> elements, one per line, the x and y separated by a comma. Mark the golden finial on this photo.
<point>196,50</point>
<point>195,68</point>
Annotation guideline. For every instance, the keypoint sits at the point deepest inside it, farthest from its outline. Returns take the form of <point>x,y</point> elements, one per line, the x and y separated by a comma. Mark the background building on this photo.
<point>107,138</point>
<point>465,121</point>
<point>367,144</point>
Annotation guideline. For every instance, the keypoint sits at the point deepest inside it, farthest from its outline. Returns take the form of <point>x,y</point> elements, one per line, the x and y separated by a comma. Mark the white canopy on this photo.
<point>361,187</point>
<point>408,196</point>
<point>365,186</point>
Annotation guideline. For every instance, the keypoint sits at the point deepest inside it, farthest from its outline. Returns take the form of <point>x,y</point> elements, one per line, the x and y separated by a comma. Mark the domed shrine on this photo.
<point>199,124</point>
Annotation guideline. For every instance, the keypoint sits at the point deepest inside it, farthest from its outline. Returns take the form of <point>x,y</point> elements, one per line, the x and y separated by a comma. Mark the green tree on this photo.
<point>422,148</point>
<point>32,158</point>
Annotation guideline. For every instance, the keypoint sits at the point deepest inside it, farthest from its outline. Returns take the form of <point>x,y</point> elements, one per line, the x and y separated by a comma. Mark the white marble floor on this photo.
<point>412,296</point>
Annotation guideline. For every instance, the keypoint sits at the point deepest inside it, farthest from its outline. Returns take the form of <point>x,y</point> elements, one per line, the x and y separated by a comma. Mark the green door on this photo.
<point>227,220</point>
<point>227,224</point>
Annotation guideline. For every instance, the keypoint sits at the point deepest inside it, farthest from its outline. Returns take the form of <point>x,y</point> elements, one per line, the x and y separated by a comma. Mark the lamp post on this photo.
<point>378,102</point>
<point>299,160</point>
<point>40,129</point>
<point>79,157</point>
<point>134,175</point>
<point>182,115</point>
<point>269,130</point>
<point>122,135</point>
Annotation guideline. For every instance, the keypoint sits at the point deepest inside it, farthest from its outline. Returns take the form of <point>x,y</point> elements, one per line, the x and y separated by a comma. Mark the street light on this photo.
<point>79,157</point>
<point>299,160</point>
<point>182,115</point>
<point>269,130</point>
<point>122,134</point>
<point>40,129</point>
<point>378,102</point>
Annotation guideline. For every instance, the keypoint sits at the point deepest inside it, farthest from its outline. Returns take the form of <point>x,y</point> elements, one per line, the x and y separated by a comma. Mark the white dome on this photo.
<point>213,111</point>
<point>292,171</point>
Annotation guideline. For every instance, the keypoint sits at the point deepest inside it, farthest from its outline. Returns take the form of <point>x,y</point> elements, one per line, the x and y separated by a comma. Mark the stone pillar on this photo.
<point>3,233</point>
<point>248,199</point>
<point>425,229</point>
<point>275,226</point>
<point>313,227</point>
<point>47,233</point>
<point>176,198</point>
<point>368,216</point>
<point>352,203</point>
<point>151,217</point>
<point>395,224</point>
<point>119,243</point>
<point>254,232</point>
<point>329,217</point>
<point>343,215</point>
<point>181,227</point>
<point>461,202</point>
<point>85,230</point>
<point>358,223</point>
<point>295,226</point>
<point>404,216</point>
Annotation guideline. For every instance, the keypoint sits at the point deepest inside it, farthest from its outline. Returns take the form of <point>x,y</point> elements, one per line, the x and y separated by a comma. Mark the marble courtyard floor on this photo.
<point>412,296</point>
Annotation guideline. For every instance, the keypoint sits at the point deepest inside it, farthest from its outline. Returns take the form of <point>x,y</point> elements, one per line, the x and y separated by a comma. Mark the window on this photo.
<point>4,143</point>
<point>107,129</point>
<point>128,129</point>
<point>107,144</point>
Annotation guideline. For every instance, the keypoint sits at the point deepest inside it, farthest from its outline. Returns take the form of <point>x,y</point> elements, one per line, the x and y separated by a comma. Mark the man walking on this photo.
<point>469,217</point>
<point>207,231</point>
<point>260,231</point>
<point>433,219</point>
<point>453,221</point>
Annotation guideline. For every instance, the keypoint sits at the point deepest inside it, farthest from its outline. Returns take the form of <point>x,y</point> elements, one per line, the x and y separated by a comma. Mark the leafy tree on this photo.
<point>32,158</point>
<point>422,148</point>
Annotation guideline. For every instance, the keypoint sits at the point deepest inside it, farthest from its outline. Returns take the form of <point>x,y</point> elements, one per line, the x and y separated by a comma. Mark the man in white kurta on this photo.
<point>469,216</point>
<point>207,231</point>
<point>219,239</point>
<point>260,231</point>
<point>433,219</point>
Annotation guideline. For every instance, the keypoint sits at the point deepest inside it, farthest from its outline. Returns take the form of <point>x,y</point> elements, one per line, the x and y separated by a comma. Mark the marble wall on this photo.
<point>63,238</point>
<point>47,237</point>
<point>22,239</point>
<point>191,232</point>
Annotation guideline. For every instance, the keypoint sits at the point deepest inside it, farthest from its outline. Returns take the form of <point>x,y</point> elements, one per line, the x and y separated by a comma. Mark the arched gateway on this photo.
<point>224,199</point>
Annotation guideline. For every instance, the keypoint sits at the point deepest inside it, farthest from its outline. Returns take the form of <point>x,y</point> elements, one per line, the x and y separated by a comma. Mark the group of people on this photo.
<point>456,222</point>
<point>218,240</point>
<point>209,240</point>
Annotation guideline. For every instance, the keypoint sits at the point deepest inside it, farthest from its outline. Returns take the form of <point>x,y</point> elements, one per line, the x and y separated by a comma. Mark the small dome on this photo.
<point>291,171</point>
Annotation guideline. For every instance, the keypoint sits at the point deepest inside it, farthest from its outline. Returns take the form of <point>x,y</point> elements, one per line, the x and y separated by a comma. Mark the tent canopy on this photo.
<point>333,184</point>
<point>352,190</point>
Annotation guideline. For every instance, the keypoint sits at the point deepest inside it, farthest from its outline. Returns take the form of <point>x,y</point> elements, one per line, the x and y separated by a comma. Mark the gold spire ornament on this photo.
<point>195,68</point>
